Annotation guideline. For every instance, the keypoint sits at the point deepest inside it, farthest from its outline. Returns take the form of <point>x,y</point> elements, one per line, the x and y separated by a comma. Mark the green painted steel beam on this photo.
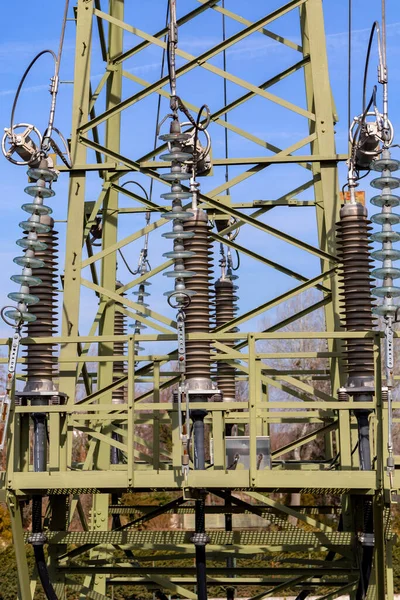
<point>358,482</point>
<point>160,34</point>
<point>215,116</point>
<point>260,160</point>
<point>304,440</point>
<point>248,219</point>
<point>137,307</point>
<point>266,32</point>
<point>165,539</point>
<point>272,303</point>
<point>200,61</point>
<point>263,259</point>
<point>130,570</point>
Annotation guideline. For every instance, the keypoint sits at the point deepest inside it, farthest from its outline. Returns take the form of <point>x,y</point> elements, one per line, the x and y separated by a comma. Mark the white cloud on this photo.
<point>31,89</point>
<point>254,46</point>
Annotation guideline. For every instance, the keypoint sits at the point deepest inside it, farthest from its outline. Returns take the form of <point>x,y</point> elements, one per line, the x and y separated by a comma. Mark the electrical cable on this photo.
<point>328,558</point>
<point>384,55</point>
<point>156,132</point>
<point>199,127</point>
<point>350,19</point>
<point>143,254</point>
<point>375,27</point>
<point>46,139</point>
<point>55,83</point>
<point>125,261</point>
<point>37,527</point>
<point>363,176</point>
<point>149,195</point>
<point>361,120</point>
<point>62,35</point>
<point>386,137</point>
<point>189,443</point>
<point>22,81</point>
<point>230,263</point>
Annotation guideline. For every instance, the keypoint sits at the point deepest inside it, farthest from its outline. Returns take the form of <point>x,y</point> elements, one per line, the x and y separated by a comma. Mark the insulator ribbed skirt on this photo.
<point>225,310</point>
<point>41,363</point>
<point>119,368</point>
<point>356,283</point>
<point>198,353</point>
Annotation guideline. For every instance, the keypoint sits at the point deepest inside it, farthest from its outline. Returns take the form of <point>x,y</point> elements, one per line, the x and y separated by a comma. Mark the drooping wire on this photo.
<point>144,265</point>
<point>384,55</point>
<point>375,28</point>
<point>46,140</point>
<point>197,128</point>
<point>179,155</point>
<point>22,81</point>
<point>227,191</point>
<point>358,128</point>
<point>55,82</point>
<point>62,35</point>
<point>42,177</point>
<point>383,78</point>
<point>164,53</point>
<point>230,260</point>
<point>176,102</point>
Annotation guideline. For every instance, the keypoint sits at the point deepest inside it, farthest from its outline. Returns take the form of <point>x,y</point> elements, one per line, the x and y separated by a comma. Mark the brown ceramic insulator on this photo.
<point>119,368</point>
<point>41,361</point>
<point>356,283</point>
<point>198,353</point>
<point>224,312</point>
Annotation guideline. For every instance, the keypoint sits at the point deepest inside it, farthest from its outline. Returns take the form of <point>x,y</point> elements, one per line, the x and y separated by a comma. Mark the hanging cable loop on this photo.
<point>22,144</point>
<point>16,324</point>
<point>53,89</point>
<point>232,235</point>
<point>143,263</point>
<point>183,300</point>
<point>197,122</point>
<point>143,267</point>
<point>33,153</point>
<point>230,260</point>
<point>366,136</point>
<point>200,127</point>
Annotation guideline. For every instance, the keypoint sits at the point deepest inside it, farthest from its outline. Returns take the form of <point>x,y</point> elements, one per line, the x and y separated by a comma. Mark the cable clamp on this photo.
<point>200,539</point>
<point>37,539</point>
<point>366,539</point>
<point>382,74</point>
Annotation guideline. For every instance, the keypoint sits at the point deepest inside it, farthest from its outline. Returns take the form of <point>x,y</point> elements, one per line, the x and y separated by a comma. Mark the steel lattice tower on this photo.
<point>101,143</point>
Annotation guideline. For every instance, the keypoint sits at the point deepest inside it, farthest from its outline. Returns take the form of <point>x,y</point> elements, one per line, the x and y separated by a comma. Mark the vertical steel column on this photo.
<point>108,268</point>
<point>110,216</point>
<point>76,200</point>
<point>75,219</point>
<point>326,185</point>
<point>24,590</point>
<point>230,561</point>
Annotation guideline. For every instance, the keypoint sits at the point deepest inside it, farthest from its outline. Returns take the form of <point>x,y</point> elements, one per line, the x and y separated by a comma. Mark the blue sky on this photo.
<point>256,59</point>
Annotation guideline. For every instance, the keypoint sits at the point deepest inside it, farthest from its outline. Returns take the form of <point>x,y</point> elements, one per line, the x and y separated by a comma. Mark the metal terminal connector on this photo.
<point>366,539</point>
